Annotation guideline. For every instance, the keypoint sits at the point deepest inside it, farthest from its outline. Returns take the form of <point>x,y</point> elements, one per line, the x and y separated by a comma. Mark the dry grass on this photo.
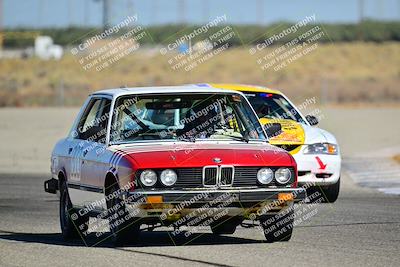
<point>355,72</point>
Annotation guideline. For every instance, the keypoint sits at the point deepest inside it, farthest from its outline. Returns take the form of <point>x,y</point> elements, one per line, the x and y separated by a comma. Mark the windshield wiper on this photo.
<point>239,138</point>
<point>184,139</point>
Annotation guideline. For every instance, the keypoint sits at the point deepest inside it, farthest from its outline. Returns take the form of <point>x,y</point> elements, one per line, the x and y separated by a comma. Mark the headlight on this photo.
<point>168,177</point>
<point>265,175</point>
<point>283,175</point>
<point>321,148</point>
<point>148,177</point>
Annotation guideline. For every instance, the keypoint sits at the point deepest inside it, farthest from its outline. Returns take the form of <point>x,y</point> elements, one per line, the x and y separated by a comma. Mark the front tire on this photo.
<point>123,229</point>
<point>72,224</point>
<point>330,193</point>
<point>279,227</point>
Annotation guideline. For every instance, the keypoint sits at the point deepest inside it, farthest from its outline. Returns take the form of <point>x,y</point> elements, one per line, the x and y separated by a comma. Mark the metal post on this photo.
<point>106,10</point>
<point>1,26</point>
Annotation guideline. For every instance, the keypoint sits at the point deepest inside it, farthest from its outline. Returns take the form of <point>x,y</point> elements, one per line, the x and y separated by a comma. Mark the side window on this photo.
<point>88,119</point>
<point>102,119</point>
<point>93,124</point>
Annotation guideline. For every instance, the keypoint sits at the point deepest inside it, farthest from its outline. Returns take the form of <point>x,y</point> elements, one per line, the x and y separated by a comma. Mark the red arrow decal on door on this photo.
<point>322,166</point>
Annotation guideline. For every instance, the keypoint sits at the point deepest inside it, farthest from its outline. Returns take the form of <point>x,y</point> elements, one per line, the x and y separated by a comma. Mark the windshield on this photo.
<point>186,117</point>
<point>273,106</point>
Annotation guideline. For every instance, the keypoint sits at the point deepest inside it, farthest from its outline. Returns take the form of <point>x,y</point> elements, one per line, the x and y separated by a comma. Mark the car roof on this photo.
<point>160,89</point>
<point>242,87</point>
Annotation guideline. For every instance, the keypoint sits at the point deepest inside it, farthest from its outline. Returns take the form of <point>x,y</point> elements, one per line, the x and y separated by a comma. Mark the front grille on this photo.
<point>302,173</point>
<point>207,176</point>
<point>245,176</point>
<point>323,175</point>
<point>210,175</point>
<point>226,176</point>
<point>218,175</point>
<point>189,177</point>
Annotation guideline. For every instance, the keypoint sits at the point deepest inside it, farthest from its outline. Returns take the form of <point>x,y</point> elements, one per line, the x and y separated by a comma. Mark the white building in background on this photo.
<point>46,49</point>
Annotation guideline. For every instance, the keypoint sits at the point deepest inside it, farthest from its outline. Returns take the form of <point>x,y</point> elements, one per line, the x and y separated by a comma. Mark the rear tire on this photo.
<point>278,227</point>
<point>330,193</point>
<point>72,224</point>
<point>123,230</point>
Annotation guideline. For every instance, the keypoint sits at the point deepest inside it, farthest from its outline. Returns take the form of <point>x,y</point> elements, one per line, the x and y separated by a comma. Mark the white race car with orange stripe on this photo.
<point>315,150</point>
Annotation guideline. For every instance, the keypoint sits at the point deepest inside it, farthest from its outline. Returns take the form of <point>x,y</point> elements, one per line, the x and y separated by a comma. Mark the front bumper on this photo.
<point>207,195</point>
<point>325,171</point>
<point>236,202</point>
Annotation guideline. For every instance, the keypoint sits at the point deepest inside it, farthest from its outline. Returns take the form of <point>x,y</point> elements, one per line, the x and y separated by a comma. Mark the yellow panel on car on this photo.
<point>292,133</point>
<point>244,88</point>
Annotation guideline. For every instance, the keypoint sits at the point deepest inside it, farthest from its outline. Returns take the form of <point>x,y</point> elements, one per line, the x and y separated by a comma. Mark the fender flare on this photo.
<point>113,172</point>
<point>63,173</point>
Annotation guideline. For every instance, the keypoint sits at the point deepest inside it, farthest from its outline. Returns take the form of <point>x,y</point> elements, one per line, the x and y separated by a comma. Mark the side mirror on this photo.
<point>272,129</point>
<point>312,120</point>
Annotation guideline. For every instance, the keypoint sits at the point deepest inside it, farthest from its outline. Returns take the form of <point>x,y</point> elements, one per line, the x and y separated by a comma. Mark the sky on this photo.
<point>64,13</point>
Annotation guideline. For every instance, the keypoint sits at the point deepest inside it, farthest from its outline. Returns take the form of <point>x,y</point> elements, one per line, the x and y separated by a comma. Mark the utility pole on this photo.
<point>85,13</point>
<point>1,25</point>
<point>181,11</point>
<point>260,11</point>
<point>361,10</point>
<point>361,19</point>
<point>69,14</point>
<point>40,12</point>
<point>380,9</point>
<point>155,6</point>
<point>206,11</point>
<point>106,14</point>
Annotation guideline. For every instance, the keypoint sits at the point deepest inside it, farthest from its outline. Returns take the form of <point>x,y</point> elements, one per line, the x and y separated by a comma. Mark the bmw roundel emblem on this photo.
<point>217,160</point>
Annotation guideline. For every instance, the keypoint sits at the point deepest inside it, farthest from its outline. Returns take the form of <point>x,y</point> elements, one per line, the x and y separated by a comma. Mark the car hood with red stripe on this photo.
<point>185,154</point>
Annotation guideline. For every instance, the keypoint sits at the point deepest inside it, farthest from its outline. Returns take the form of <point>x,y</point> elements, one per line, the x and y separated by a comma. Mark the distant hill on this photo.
<point>371,31</point>
<point>336,73</point>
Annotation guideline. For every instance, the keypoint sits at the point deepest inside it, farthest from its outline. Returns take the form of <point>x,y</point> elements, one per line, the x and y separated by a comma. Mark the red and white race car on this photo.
<point>171,156</point>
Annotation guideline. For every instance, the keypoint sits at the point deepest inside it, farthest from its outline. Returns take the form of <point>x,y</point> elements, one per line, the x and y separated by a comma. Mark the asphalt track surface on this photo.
<point>362,228</point>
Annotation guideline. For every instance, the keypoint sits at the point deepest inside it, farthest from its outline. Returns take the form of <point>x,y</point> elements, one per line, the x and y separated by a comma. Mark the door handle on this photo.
<point>70,150</point>
<point>85,152</point>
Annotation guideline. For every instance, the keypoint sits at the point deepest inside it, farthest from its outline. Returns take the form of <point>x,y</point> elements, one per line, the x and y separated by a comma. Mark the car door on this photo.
<point>78,184</point>
<point>94,161</point>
